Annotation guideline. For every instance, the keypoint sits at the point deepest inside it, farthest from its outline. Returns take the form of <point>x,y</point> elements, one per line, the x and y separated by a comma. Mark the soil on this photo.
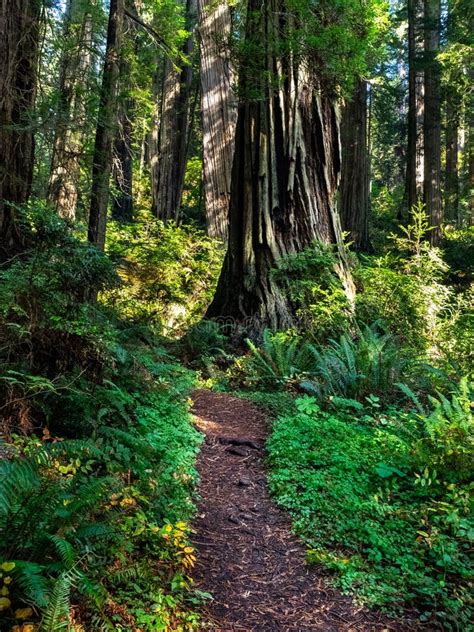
<point>248,559</point>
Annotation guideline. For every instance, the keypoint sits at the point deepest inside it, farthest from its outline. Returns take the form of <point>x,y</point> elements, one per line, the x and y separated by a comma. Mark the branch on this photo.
<point>160,41</point>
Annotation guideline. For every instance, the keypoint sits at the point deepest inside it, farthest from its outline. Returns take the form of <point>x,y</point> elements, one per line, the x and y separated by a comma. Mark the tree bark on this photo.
<point>170,149</point>
<point>284,178</point>
<point>219,113</point>
<point>106,124</point>
<point>451,187</point>
<point>122,207</point>
<point>354,189</point>
<point>19,35</point>
<point>76,64</point>
<point>432,118</point>
<point>415,149</point>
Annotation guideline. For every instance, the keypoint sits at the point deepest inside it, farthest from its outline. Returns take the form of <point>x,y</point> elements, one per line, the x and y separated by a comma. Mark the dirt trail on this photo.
<point>247,557</point>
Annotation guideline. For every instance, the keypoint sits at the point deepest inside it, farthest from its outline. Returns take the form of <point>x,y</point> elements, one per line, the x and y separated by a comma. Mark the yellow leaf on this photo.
<point>4,591</point>
<point>4,603</point>
<point>8,566</point>
<point>7,580</point>
<point>23,613</point>
<point>189,549</point>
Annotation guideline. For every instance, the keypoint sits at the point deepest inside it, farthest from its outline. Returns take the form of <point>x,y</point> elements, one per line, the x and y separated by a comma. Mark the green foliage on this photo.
<point>310,280</point>
<point>356,367</point>
<point>388,295</point>
<point>281,358</point>
<point>204,340</point>
<point>169,273</point>
<point>383,501</point>
<point>104,464</point>
<point>370,362</point>
<point>458,248</point>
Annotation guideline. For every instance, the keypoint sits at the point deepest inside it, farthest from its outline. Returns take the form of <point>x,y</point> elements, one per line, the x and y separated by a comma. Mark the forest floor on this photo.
<point>248,559</point>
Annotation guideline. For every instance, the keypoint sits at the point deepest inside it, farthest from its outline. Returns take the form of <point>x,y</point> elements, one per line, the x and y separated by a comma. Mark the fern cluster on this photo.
<point>354,366</point>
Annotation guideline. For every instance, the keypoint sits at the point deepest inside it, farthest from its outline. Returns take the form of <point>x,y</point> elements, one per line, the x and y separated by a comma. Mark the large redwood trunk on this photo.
<point>171,140</point>
<point>354,189</point>
<point>76,64</point>
<point>106,126</point>
<point>19,34</point>
<point>432,119</point>
<point>219,113</point>
<point>284,179</point>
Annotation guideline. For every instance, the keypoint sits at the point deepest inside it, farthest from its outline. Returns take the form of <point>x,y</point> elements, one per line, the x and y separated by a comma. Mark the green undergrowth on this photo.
<point>382,499</point>
<point>97,474</point>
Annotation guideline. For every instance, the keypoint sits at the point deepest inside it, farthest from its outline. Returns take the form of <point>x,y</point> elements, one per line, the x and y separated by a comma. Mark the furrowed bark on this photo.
<point>170,146</point>
<point>76,64</point>
<point>106,122</point>
<point>284,179</point>
<point>354,189</point>
<point>219,113</point>
<point>432,118</point>
<point>415,149</point>
<point>19,34</point>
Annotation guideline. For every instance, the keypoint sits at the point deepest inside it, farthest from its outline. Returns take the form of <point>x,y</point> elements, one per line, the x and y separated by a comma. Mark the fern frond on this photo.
<point>56,616</point>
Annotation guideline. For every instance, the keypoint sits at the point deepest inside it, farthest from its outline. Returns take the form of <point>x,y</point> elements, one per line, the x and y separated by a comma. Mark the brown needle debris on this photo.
<point>247,557</point>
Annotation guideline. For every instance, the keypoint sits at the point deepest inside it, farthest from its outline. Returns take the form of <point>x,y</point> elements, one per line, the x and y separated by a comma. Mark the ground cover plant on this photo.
<point>382,498</point>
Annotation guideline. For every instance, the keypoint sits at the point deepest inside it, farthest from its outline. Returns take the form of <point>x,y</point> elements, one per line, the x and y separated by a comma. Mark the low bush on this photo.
<point>310,280</point>
<point>169,273</point>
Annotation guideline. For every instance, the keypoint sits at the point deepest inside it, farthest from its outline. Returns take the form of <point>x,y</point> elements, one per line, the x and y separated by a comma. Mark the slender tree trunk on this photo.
<point>451,187</point>
<point>71,117</point>
<point>122,207</point>
<point>19,34</point>
<point>415,149</point>
<point>106,124</point>
<point>170,151</point>
<point>354,189</point>
<point>284,178</point>
<point>219,113</point>
<point>432,119</point>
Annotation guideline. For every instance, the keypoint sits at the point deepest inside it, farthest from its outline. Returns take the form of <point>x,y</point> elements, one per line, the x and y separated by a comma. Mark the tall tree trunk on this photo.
<point>451,187</point>
<point>415,145</point>
<point>106,124</point>
<point>470,147</point>
<point>19,34</point>
<point>284,178</point>
<point>432,119</point>
<point>170,151</point>
<point>354,189</point>
<point>219,113</point>
<point>122,207</point>
<point>71,117</point>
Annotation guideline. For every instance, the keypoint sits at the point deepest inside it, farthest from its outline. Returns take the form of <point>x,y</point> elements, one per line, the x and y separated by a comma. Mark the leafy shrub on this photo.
<point>169,273</point>
<point>205,339</point>
<point>48,327</point>
<point>458,247</point>
<point>388,295</point>
<point>312,284</point>
<point>393,528</point>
